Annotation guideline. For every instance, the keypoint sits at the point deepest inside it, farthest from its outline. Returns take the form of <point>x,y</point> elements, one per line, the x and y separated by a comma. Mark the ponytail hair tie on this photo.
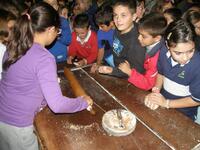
<point>169,35</point>
<point>29,17</point>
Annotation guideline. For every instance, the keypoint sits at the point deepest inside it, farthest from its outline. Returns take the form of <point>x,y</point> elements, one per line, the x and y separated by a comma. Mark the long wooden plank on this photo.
<point>170,125</point>
<point>84,131</point>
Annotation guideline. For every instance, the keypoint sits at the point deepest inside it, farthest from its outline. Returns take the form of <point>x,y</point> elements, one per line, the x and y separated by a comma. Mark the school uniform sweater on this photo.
<point>31,83</point>
<point>88,49</point>
<point>180,80</point>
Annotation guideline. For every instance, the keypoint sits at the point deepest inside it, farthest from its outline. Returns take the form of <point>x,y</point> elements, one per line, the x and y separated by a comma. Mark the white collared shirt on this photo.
<point>86,38</point>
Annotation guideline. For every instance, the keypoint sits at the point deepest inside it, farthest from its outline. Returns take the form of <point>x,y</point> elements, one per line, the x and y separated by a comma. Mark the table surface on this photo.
<point>161,129</point>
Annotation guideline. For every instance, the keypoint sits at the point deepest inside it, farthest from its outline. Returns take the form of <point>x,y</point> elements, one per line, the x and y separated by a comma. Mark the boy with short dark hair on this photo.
<point>151,29</point>
<point>126,46</point>
<point>104,19</point>
<point>84,42</point>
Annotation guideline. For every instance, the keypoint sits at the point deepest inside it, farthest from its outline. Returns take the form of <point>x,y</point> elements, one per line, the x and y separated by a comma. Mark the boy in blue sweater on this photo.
<point>59,47</point>
<point>104,19</point>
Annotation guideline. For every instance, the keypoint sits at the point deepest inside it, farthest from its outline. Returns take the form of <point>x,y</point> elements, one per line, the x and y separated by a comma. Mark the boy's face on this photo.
<point>197,28</point>
<point>168,18</point>
<point>146,39</point>
<point>182,52</point>
<point>64,13</point>
<point>140,10</point>
<point>82,5</point>
<point>81,32</point>
<point>123,18</point>
<point>105,28</point>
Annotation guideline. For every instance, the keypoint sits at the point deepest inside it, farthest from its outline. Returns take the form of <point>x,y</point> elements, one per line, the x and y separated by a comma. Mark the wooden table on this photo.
<point>161,129</point>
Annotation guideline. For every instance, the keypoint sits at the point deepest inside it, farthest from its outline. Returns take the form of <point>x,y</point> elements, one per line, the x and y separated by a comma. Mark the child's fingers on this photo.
<point>94,68</point>
<point>154,106</point>
<point>126,62</point>
<point>103,69</point>
<point>150,104</point>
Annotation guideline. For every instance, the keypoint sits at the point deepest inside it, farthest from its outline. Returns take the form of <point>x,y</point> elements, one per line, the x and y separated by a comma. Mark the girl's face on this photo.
<point>53,32</point>
<point>183,52</point>
<point>123,18</point>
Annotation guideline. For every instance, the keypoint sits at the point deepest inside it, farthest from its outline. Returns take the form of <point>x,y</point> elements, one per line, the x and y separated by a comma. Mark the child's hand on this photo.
<point>94,68</point>
<point>158,99</point>
<point>81,62</point>
<point>69,59</point>
<point>125,67</point>
<point>150,104</point>
<point>105,69</point>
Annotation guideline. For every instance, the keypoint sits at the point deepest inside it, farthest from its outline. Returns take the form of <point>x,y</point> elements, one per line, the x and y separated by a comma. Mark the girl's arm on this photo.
<point>183,102</point>
<point>158,84</point>
<point>158,99</point>
<point>47,77</point>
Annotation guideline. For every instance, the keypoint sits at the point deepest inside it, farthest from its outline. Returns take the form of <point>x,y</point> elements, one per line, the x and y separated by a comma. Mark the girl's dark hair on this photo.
<point>81,21</point>
<point>192,17</point>
<point>178,32</point>
<point>39,17</point>
<point>175,13</point>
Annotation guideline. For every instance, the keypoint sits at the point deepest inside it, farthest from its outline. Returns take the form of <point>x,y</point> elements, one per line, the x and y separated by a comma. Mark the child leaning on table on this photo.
<point>84,42</point>
<point>126,46</point>
<point>29,79</point>
<point>178,80</point>
<point>151,30</point>
<point>104,19</point>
